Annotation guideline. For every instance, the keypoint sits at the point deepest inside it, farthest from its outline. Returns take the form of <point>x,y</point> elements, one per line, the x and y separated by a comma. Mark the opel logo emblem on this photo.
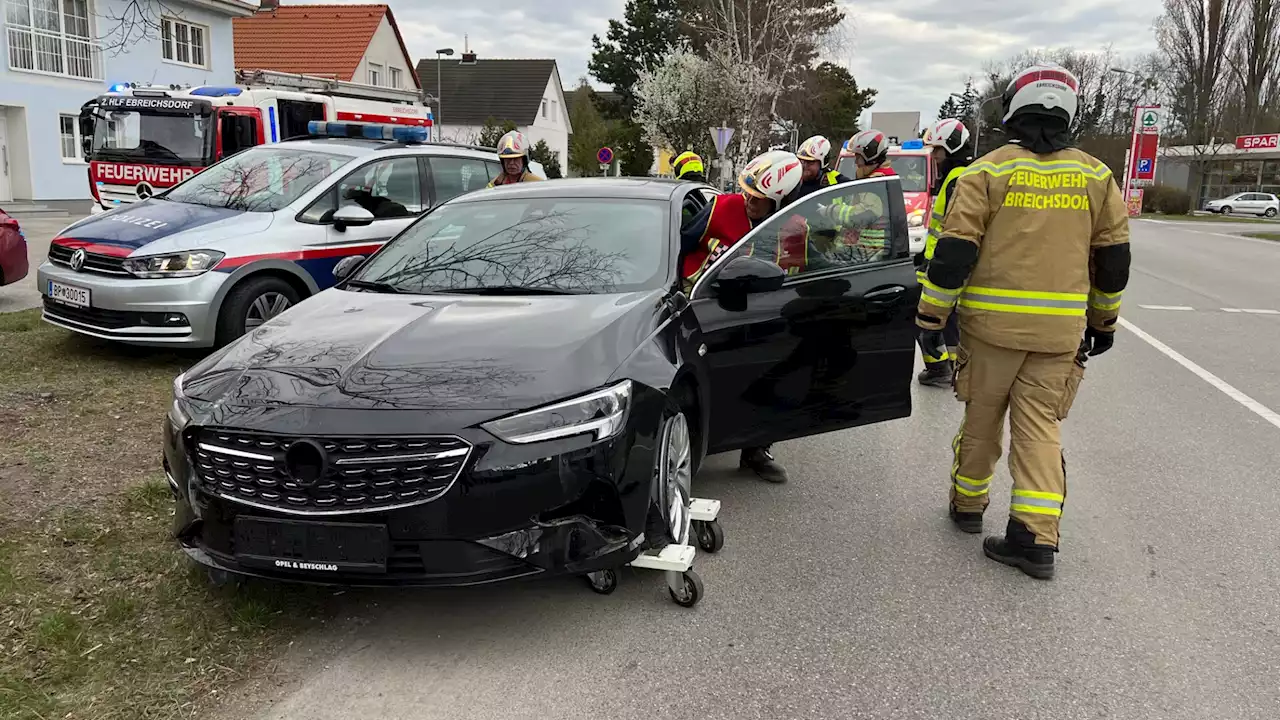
<point>305,462</point>
<point>144,191</point>
<point>77,259</point>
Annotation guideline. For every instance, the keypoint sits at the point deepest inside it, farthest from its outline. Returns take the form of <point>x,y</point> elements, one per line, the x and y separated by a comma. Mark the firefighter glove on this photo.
<point>1099,341</point>
<point>933,343</point>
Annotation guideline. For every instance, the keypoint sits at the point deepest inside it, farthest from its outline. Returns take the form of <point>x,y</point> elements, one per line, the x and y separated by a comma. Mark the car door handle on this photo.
<point>885,294</point>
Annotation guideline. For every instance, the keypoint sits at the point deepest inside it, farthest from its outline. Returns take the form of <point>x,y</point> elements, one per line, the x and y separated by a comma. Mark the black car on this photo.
<point>519,384</point>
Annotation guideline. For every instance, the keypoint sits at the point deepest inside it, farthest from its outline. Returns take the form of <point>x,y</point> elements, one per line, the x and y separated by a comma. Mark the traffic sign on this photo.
<point>721,136</point>
<point>1144,165</point>
<point>604,155</point>
<point>1149,121</point>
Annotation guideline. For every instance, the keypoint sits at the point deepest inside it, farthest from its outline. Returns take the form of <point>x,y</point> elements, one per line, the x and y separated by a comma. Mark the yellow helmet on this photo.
<point>513,145</point>
<point>687,162</point>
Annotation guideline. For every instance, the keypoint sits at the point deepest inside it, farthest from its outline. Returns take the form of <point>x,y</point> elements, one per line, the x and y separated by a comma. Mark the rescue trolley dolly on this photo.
<point>698,519</point>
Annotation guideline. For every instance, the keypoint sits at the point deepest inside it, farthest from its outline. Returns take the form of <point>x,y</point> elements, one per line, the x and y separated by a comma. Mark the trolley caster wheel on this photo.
<point>602,582</point>
<point>710,535</point>
<point>221,579</point>
<point>690,591</point>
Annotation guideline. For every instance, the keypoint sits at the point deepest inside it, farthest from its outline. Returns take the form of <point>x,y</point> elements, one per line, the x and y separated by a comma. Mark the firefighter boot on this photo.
<point>1018,548</point>
<point>936,374</point>
<point>760,461</point>
<point>970,522</point>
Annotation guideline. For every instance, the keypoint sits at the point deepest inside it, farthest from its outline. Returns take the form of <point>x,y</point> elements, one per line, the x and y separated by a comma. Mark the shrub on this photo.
<point>1167,200</point>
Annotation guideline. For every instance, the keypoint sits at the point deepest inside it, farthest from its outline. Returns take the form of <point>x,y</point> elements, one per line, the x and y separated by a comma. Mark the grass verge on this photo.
<point>100,615</point>
<point>1208,218</point>
<point>1264,235</point>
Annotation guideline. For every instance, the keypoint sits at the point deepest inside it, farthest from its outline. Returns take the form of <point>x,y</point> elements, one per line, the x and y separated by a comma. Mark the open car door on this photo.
<point>826,343</point>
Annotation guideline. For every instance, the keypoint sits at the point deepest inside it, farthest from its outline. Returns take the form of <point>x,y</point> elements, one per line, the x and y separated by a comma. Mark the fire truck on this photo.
<point>914,165</point>
<point>140,139</point>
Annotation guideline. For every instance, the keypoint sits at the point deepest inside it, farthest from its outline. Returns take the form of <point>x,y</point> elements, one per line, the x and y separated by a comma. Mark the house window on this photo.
<point>375,74</point>
<point>69,126</point>
<point>52,37</point>
<point>554,115</point>
<point>183,42</point>
<point>395,77</point>
<point>544,107</point>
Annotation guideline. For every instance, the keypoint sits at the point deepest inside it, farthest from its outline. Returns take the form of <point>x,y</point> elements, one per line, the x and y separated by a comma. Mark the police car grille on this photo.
<point>93,262</point>
<point>362,474</point>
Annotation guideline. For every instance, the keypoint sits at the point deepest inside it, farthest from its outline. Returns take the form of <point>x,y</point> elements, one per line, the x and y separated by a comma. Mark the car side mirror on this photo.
<point>346,266</point>
<point>747,275</point>
<point>351,216</point>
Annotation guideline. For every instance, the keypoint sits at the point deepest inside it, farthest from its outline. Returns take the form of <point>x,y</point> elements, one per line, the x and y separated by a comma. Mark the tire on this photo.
<point>669,521</point>
<point>691,591</point>
<point>710,535</point>
<point>1271,212</point>
<point>248,303</point>
<point>602,582</point>
<point>1226,210</point>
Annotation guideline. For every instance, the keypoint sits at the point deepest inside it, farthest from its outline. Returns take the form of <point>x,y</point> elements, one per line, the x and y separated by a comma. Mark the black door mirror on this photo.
<point>747,275</point>
<point>346,266</point>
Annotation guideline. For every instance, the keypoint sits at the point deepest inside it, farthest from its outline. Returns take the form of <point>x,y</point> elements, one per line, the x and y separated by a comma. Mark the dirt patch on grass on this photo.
<point>101,616</point>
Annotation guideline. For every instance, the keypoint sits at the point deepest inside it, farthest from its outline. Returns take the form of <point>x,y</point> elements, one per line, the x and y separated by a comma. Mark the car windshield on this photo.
<point>261,179</point>
<point>572,245</point>
<point>163,139</point>
<point>912,170</point>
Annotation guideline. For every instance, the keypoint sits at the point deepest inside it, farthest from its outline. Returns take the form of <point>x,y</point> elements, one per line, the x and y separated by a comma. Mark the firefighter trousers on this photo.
<point>1036,390</point>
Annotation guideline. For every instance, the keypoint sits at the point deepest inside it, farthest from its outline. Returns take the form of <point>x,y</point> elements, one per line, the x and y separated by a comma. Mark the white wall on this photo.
<point>33,101</point>
<point>384,50</point>
<point>554,128</point>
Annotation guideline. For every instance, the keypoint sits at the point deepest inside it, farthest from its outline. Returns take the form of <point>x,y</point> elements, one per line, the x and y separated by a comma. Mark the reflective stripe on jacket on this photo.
<point>935,220</point>
<point>1037,221</point>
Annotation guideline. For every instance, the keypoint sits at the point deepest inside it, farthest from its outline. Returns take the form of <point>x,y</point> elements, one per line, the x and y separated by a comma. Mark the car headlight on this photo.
<point>179,264</point>
<point>178,417</point>
<point>916,219</point>
<point>602,413</point>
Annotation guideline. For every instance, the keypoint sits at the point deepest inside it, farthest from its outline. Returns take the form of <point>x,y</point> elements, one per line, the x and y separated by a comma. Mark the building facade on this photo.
<point>61,53</point>
<point>1211,172</point>
<point>525,92</point>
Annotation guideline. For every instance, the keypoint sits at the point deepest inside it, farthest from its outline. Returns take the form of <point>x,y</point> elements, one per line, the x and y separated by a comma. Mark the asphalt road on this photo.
<point>40,231</point>
<point>846,593</point>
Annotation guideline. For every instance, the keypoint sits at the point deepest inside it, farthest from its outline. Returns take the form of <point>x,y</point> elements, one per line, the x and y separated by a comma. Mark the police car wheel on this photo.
<point>253,302</point>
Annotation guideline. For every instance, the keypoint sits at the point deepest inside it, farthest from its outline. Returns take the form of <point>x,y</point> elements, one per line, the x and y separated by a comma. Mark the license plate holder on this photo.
<point>69,295</point>
<point>314,548</point>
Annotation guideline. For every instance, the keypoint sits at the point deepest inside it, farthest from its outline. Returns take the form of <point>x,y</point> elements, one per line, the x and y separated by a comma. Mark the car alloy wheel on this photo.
<point>1271,212</point>
<point>675,476</point>
<point>264,307</point>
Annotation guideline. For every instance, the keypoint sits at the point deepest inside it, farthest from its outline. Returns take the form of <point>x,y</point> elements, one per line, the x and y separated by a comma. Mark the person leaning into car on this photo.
<point>765,182</point>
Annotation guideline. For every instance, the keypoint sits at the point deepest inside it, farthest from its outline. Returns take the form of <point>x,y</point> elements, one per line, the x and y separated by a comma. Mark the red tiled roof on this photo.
<point>327,40</point>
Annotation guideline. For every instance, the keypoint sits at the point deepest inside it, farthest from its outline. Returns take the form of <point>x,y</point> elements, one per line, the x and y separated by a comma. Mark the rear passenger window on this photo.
<point>451,176</point>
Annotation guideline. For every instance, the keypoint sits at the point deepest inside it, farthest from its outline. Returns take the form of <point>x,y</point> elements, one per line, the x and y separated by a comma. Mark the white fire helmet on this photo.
<point>949,134</point>
<point>815,148</point>
<point>771,176</point>
<point>1042,89</point>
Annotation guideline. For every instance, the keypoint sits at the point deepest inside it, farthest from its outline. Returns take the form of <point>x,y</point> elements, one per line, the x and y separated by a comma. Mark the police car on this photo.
<point>235,245</point>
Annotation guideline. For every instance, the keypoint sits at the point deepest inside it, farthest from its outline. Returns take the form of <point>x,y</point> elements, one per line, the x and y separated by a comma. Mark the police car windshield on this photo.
<point>159,139</point>
<point>261,179</point>
<point>570,245</point>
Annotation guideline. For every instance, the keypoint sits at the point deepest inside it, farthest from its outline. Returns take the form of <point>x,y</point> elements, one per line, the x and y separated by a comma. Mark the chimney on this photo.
<point>268,5</point>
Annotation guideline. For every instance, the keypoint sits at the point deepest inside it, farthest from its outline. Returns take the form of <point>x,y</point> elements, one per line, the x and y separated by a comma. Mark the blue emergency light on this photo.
<point>913,145</point>
<point>369,131</point>
<point>210,91</point>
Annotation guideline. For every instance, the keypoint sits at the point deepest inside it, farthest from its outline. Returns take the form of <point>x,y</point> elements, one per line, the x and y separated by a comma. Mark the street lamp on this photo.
<point>439,135</point>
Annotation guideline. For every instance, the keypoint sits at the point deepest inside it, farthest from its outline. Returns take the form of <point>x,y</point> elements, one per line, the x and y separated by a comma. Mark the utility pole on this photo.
<point>439,132</point>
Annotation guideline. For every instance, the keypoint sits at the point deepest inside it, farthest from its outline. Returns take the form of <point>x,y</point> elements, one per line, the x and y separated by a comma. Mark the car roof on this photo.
<point>623,188</point>
<point>357,147</point>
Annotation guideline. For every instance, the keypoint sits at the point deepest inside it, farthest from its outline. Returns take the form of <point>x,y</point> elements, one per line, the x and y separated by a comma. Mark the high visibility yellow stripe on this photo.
<point>976,305</point>
<point>1034,510</point>
<point>1034,294</point>
<point>931,359</point>
<point>1099,172</point>
<point>1105,306</point>
<point>1104,301</point>
<point>1039,495</point>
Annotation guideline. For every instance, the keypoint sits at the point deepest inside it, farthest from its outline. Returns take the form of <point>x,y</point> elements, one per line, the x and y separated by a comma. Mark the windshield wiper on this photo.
<point>510,290</point>
<point>374,286</point>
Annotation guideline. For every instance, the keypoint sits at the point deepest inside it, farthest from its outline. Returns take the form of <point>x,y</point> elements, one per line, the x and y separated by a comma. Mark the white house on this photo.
<point>526,92</point>
<point>61,53</point>
<point>355,43</point>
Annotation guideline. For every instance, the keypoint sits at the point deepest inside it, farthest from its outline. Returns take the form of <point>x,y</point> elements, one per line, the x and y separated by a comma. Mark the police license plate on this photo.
<point>68,295</point>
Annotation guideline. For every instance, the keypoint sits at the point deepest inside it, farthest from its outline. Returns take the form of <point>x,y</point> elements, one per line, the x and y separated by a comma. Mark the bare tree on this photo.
<point>1255,61</point>
<point>137,21</point>
<point>680,99</point>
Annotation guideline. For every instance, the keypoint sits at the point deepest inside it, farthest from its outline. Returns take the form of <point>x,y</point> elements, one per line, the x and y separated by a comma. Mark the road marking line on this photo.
<point>1166,307</point>
<point>1176,228</point>
<point>1254,311</point>
<point>1256,407</point>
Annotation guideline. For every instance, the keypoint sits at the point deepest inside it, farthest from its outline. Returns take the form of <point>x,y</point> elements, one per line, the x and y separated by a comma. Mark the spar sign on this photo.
<point>1258,142</point>
<point>1145,145</point>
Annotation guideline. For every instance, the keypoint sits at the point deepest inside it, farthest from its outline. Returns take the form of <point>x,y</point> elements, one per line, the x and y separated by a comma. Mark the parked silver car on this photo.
<point>1255,203</point>
<point>233,246</point>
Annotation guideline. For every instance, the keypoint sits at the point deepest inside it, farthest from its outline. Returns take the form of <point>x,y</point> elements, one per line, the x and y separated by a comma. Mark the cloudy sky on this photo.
<point>914,52</point>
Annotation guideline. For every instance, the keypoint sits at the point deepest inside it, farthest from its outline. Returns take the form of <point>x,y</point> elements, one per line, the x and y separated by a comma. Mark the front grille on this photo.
<point>360,475</point>
<point>93,262</point>
<point>104,319</point>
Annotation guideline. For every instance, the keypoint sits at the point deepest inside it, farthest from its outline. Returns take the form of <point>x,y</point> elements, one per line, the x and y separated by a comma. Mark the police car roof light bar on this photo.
<point>369,131</point>
<point>913,145</point>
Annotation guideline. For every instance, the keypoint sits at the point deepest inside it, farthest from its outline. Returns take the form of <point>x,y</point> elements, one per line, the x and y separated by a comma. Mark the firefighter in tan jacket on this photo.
<point>1033,254</point>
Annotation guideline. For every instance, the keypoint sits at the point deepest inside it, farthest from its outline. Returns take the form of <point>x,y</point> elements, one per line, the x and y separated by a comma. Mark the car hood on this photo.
<point>429,352</point>
<point>156,226</point>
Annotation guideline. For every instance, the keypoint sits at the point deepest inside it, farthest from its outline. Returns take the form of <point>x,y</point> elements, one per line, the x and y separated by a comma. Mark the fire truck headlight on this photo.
<point>916,218</point>
<point>174,265</point>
